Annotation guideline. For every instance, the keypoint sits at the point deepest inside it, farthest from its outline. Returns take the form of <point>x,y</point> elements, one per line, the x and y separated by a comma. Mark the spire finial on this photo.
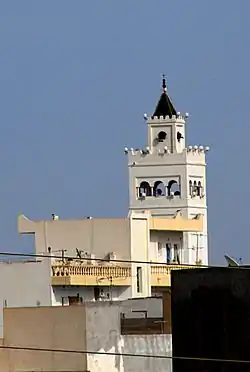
<point>164,106</point>
<point>164,86</point>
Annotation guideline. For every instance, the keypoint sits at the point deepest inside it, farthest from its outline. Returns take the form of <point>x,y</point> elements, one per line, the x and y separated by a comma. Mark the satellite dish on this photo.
<point>231,262</point>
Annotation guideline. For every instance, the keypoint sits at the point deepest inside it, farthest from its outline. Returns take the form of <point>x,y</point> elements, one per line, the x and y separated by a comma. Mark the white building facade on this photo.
<point>169,177</point>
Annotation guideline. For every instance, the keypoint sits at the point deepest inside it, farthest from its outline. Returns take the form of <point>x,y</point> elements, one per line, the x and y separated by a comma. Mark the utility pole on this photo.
<point>198,247</point>
<point>110,278</point>
<point>111,288</point>
<point>62,251</point>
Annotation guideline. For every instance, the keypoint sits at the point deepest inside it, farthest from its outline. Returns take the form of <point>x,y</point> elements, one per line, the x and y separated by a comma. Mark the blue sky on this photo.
<point>75,80</point>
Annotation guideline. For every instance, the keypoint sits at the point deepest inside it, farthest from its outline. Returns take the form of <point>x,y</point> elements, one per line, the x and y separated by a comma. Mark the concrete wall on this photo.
<point>147,345</point>
<point>92,326</point>
<point>152,305</point>
<point>24,284</point>
<point>51,327</point>
<point>104,336</point>
<point>87,293</point>
<point>95,236</point>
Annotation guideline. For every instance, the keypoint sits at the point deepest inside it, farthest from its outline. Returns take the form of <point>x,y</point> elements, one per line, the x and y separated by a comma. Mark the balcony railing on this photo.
<point>91,275</point>
<point>161,274</point>
<point>109,275</point>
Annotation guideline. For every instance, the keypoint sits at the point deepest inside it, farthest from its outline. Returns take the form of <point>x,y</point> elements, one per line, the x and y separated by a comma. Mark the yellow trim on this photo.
<point>177,223</point>
<point>161,274</point>
<point>91,275</point>
<point>108,275</point>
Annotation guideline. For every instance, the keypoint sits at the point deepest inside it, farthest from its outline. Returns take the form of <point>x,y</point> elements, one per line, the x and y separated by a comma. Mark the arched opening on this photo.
<point>144,189</point>
<point>179,136</point>
<point>174,187</point>
<point>159,189</point>
<point>190,187</point>
<point>162,136</point>
<point>199,189</point>
<point>168,253</point>
<point>194,192</point>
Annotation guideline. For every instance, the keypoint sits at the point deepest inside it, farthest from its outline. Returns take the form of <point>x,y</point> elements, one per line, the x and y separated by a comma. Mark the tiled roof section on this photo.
<point>164,107</point>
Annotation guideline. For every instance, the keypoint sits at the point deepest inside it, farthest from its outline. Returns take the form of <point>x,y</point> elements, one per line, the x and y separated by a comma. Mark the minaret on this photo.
<point>167,176</point>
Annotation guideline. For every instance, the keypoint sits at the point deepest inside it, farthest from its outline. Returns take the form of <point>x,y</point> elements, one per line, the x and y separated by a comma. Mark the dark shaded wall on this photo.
<point>211,318</point>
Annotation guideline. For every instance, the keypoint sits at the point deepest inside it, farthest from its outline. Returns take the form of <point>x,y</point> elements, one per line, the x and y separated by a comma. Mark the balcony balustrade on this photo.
<point>161,274</point>
<point>91,275</point>
<point>86,275</point>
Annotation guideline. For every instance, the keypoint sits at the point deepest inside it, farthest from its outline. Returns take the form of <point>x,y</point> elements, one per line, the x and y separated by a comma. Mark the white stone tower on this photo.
<point>168,177</point>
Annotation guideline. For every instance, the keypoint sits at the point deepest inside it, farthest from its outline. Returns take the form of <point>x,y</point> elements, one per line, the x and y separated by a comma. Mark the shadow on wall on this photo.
<point>104,335</point>
<point>147,345</point>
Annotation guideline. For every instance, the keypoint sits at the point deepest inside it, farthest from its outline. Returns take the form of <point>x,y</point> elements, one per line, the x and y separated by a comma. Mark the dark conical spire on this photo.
<point>164,107</point>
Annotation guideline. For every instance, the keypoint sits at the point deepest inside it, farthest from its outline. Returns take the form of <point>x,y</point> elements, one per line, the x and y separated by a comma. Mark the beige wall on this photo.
<point>93,326</point>
<point>105,336</point>
<point>23,284</point>
<point>96,236</point>
<point>140,234</point>
<point>45,327</point>
<point>164,237</point>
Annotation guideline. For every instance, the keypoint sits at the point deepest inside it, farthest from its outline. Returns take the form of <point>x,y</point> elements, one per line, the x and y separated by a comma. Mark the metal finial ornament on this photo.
<point>164,86</point>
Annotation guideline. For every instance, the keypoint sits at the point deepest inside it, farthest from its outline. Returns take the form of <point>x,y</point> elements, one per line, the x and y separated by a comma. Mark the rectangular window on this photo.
<point>176,254</point>
<point>139,279</point>
<point>159,250</point>
<point>75,300</point>
<point>168,249</point>
<point>96,293</point>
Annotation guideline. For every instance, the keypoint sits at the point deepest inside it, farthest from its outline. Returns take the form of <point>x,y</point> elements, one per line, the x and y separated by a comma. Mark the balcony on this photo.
<point>178,223</point>
<point>161,274</point>
<point>91,275</point>
<point>84,275</point>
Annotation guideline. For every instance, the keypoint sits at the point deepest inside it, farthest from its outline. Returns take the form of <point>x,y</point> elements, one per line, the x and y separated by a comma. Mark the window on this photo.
<point>144,189</point>
<point>159,189</point>
<point>75,300</point>
<point>176,254</point>
<point>159,250</point>
<point>174,188</point>
<point>97,293</point>
<point>191,188</point>
<point>168,249</point>
<point>199,189</point>
<point>139,279</point>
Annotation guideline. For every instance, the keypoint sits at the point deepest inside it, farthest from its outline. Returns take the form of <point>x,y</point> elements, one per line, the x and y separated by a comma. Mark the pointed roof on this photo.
<point>164,107</point>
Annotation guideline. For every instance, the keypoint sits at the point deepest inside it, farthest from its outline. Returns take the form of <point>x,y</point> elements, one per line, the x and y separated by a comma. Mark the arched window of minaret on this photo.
<point>199,189</point>
<point>190,187</point>
<point>159,189</point>
<point>179,136</point>
<point>195,188</point>
<point>161,136</point>
<point>174,187</point>
<point>145,189</point>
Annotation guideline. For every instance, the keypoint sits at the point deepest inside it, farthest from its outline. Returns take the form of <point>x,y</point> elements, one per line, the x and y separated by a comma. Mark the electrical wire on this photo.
<point>114,353</point>
<point>71,351</point>
<point>35,255</point>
